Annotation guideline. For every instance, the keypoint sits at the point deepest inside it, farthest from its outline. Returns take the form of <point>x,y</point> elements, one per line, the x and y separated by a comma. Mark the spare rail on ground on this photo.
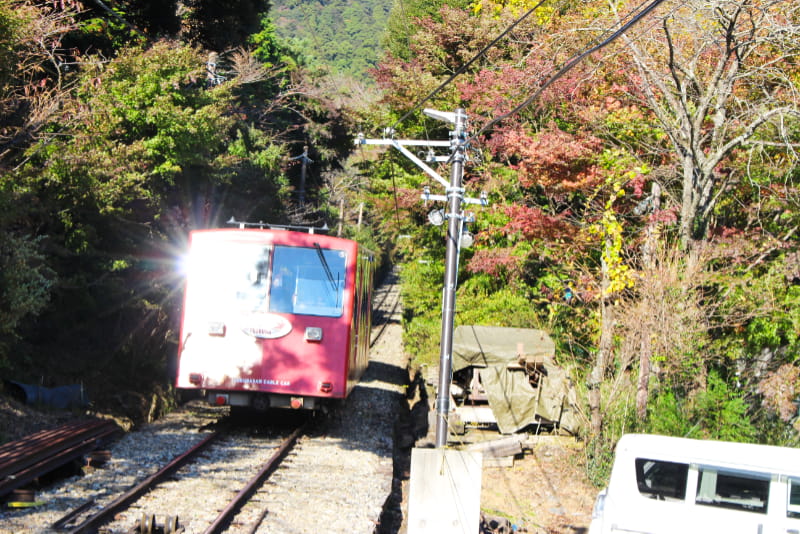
<point>26,459</point>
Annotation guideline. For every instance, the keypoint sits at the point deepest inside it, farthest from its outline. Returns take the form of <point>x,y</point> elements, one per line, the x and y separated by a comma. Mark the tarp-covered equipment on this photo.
<point>516,369</point>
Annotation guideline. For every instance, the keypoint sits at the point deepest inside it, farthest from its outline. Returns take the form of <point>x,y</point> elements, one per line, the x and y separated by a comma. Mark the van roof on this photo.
<point>742,456</point>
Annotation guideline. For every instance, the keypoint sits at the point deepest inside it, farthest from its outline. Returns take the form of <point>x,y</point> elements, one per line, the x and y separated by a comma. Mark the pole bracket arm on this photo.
<point>401,144</point>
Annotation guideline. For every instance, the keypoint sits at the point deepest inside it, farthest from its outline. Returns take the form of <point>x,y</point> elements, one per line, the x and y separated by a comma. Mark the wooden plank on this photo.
<point>501,461</point>
<point>481,414</point>
<point>445,491</point>
<point>565,442</point>
<point>498,448</point>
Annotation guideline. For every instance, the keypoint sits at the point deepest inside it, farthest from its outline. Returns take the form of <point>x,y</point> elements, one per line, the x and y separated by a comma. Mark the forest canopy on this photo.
<point>341,37</point>
<point>123,130</point>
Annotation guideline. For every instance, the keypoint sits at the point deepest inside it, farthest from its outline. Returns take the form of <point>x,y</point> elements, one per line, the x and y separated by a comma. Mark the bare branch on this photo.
<point>715,75</point>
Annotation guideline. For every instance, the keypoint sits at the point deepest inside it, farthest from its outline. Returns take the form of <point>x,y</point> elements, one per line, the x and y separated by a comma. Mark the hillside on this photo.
<point>343,35</point>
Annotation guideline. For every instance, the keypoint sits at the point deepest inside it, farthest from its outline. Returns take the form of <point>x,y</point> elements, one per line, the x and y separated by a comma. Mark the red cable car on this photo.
<point>274,318</point>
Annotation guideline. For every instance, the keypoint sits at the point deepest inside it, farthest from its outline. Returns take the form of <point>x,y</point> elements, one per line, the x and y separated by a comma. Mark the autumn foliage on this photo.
<point>661,169</point>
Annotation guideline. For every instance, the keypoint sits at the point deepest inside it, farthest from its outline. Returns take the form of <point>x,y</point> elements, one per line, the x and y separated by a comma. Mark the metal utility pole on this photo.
<point>455,218</point>
<point>211,70</point>
<point>301,193</point>
<point>455,194</point>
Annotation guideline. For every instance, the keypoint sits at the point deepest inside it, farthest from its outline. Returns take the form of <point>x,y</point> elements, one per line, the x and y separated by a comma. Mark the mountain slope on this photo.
<point>342,35</point>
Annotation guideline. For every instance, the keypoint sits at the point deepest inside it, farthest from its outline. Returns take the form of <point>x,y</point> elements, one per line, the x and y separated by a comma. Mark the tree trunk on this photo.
<point>603,352</point>
<point>643,391</point>
<point>646,346</point>
<point>688,201</point>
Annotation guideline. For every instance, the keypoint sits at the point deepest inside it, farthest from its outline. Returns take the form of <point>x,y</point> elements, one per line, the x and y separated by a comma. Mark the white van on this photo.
<point>666,485</point>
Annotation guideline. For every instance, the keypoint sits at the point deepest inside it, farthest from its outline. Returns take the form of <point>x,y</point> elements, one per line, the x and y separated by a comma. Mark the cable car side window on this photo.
<point>662,480</point>
<point>736,490</point>
<point>308,281</point>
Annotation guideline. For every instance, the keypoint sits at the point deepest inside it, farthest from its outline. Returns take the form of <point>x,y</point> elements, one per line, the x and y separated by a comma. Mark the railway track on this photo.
<point>141,510</point>
<point>386,303</point>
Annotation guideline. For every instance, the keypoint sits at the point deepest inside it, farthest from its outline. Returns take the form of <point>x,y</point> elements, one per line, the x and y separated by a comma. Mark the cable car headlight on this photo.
<point>216,328</point>
<point>313,333</point>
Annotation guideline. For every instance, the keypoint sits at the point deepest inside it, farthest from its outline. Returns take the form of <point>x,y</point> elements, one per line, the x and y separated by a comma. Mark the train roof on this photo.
<point>271,235</point>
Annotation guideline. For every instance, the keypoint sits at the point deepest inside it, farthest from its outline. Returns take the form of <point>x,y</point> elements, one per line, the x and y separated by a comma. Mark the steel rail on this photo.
<point>224,517</point>
<point>384,322</point>
<point>58,525</point>
<point>25,460</point>
<point>384,283</point>
<point>92,523</point>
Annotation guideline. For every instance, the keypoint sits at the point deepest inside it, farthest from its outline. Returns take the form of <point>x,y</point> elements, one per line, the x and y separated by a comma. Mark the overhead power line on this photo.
<point>636,14</point>
<point>466,65</point>
<point>571,64</point>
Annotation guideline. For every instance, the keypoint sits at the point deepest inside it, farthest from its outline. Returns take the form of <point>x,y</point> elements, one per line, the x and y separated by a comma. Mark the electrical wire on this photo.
<point>566,68</point>
<point>636,15</point>
<point>571,64</point>
<point>466,65</point>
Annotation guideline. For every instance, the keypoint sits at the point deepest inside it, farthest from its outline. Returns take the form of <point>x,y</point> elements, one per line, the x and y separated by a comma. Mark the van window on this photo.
<point>661,480</point>
<point>793,509</point>
<point>740,491</point>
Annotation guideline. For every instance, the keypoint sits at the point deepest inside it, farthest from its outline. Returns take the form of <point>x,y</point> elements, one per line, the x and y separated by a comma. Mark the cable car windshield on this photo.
<point>307,281</point>
<point>226,276</point>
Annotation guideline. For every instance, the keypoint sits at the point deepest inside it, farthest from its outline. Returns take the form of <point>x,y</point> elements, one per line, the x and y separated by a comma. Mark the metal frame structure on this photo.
<point>454,196</point>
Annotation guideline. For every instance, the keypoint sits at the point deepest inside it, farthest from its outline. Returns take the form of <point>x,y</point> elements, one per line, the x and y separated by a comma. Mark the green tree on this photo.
<point>29,38</point>
<point>221,26</point>
<point>25,283</point>
<point>340,37</point>
<point>145,150</point>
<point>595,152</point>
<point>403,21</point>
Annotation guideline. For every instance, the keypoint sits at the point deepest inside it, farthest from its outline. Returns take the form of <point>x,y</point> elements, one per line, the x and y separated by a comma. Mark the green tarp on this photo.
<point>515,403</point>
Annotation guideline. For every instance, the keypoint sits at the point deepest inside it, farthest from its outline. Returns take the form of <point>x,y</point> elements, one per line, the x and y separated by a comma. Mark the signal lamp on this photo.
<point>436,217</point>
<point>466,240</point>
<point>195,378</point>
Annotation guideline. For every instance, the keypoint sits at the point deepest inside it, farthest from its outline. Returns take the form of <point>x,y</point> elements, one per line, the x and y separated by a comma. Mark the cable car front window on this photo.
<point>303,283</point>
<point>229,275</point>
